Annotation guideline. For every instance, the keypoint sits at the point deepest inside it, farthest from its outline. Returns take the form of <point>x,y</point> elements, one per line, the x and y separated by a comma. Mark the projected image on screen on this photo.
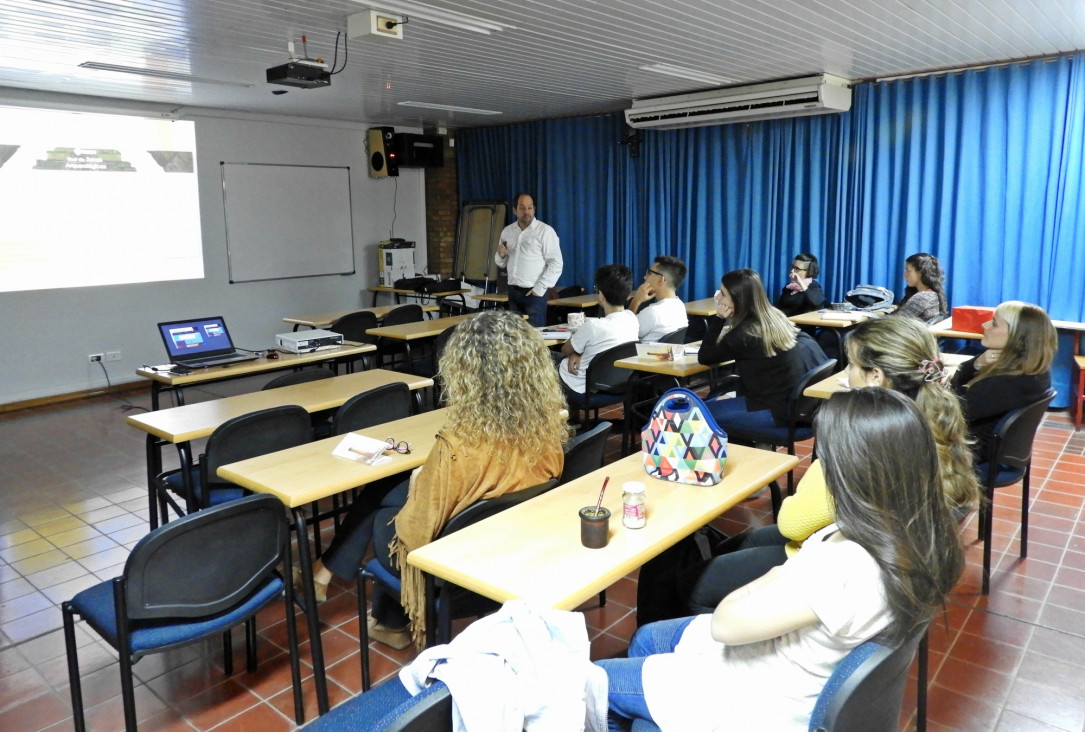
<point>94,199</point>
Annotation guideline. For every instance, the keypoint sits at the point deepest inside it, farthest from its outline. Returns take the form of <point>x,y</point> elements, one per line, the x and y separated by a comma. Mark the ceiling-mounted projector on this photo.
<point>300,73</point>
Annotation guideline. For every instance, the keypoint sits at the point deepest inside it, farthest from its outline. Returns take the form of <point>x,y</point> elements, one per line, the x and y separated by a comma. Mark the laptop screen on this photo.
<point>186,339</point>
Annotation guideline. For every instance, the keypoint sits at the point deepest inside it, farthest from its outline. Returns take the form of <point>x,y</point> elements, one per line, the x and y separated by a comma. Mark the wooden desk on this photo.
<point>839,381</point>
<point>306,473</point>
<point>163,380</point>
<point>680,368</point>
<point>577,301</point>
<point>398,293</point>
<point>495,299</point>
<point>420,329</point>
<point>533,551</point>
<point>703,308</point>
<point>181,425</point>
<point>944,329</point>
<point>323,320</point>
<point>817,318</point>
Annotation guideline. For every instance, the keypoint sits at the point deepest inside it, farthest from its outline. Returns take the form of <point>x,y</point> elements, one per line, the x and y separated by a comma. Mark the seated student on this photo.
<point>924,297</point>
<point>883,569</point>
<point>498,381</point>
<point>802,293</point>
<point>769,357</point>
<point>613,283</point>
<point>897,353</point>
<point>1015,370</point>
<point>659,310</point>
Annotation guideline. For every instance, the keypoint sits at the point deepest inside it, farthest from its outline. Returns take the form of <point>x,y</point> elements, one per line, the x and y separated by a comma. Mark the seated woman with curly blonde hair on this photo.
<point>505,431</point>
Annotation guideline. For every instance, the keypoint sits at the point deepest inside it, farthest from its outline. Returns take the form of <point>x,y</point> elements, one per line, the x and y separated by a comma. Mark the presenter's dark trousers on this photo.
<point>533,306</point>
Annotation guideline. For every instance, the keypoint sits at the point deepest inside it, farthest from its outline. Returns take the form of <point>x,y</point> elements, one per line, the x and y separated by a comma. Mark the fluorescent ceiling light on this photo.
<point>683,73</point>
<point>444,17</point>
<point>159,74</point>
<point>447,108</point>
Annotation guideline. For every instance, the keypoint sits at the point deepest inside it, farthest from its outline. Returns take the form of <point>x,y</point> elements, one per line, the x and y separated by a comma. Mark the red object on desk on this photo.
<point>970,318</point>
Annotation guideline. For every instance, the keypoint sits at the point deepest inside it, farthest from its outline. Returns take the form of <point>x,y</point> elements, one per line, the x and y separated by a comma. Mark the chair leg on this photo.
<point>363,628</point>
<point>250,645</point>
<point>1024,510</point>
<point>228,653</point>
<point>128,694</point>
<point>986,520</point>
<point>315,508</point>
<point>74,684</point>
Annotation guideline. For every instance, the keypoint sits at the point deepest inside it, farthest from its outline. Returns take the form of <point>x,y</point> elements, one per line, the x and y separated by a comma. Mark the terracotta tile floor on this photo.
<point>73,502</point>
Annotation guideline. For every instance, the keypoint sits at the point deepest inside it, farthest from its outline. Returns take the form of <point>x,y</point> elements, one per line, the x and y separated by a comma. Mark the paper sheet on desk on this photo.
<point>362,449</point>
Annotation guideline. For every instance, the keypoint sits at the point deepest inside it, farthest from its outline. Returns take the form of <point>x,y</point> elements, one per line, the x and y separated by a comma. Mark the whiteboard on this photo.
<point>287,221</point>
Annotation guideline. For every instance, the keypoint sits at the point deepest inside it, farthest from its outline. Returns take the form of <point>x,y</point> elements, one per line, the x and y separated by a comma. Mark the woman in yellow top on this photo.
<point>505,431</point>
<point>897,353</point>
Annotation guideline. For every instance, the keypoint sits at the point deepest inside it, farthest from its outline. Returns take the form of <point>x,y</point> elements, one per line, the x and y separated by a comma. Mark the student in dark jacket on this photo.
<point>802,293</point>
<point>1015,370</point>
<point>770,355</point>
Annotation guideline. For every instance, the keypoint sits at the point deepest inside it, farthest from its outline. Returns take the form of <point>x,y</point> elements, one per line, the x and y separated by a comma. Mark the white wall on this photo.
<point>45,336</point>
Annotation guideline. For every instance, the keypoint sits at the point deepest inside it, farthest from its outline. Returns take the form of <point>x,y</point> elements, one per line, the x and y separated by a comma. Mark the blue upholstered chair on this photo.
<point>604,383</point>
<point>389,708</point>
<point>190,579</point>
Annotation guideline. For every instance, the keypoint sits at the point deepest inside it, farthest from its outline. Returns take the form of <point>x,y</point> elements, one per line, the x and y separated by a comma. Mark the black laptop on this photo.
<point>201,343</point>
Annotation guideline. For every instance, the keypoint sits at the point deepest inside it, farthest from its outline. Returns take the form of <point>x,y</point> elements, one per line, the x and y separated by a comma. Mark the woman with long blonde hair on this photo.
<point>1015,370</point>
<point>505,431</point>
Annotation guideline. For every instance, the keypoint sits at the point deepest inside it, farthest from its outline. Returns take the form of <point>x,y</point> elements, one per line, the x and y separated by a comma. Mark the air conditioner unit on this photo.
<point>822,94</point>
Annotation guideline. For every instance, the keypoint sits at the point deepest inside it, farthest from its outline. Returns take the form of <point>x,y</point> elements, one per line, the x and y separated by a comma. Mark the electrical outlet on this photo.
<point>112,355</point>
<point>94,357</point>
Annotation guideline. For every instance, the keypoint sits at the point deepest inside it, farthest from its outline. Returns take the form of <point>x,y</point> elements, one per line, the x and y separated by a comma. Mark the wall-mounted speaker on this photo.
<point>383,156</point>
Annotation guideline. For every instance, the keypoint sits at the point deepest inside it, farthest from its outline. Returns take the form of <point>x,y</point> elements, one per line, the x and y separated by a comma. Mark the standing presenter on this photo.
<point>531,251</point>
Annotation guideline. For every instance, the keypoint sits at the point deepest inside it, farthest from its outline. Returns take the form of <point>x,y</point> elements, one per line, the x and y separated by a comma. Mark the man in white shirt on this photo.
<point>663,312</point>
<point>531,251</point>
<point>613,283</point>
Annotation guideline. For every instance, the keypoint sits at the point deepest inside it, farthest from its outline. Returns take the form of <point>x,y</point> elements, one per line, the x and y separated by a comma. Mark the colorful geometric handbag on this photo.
<point>682,442</point>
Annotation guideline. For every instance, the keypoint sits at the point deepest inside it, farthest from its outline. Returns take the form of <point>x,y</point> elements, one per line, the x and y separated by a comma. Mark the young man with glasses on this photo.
<point>659,310</point>
<point>531,252</point>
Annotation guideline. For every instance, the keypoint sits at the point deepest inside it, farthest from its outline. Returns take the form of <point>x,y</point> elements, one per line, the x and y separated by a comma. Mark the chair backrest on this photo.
<point>604,376</point>
<point>428,711</point>
<point>303,376</point>
<point>489,506</point>
<point>353,326</point>
<point>1011,440</point>
<point>403,314</point>
<point>253,434</point>
<point>373,407</point>
<point>206,562</point>
<point>584,453</point>
<point>801,409</point>
<point>675,336</point>
<point>865,691</point>
<point>439,344</point>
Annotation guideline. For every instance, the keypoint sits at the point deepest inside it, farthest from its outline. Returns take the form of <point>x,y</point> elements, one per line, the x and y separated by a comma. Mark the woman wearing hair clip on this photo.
<point>881,570</point>
<point>498,380</point>
<point>897,353</point>
<point>1015,370</point>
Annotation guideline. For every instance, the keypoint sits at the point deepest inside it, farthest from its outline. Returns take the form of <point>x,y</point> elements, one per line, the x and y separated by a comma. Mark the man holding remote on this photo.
<point>531,251</point>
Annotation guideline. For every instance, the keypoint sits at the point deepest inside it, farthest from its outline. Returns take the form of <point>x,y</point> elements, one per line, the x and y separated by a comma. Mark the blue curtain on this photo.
<point>982,168</point>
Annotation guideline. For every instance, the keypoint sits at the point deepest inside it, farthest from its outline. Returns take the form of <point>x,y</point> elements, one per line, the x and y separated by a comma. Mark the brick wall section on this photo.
<point>442,212</point>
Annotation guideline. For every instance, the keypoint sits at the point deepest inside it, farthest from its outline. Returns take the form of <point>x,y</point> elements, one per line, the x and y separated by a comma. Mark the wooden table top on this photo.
<point>285,361</point>
<point>576,301</point>
<point>839,381</point>
<point>492,297</point>
<point>299,475</point>
<point>193,421</point>
<point>704,307</point>
<point>420,329</point>
<point>824,319</point>
<point>402,291</point>
<point>323,320</point>
<point>680,368</point>
<point>533,550</point>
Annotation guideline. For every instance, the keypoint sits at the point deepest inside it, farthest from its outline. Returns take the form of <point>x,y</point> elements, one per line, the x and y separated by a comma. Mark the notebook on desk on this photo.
<point>200,343</point>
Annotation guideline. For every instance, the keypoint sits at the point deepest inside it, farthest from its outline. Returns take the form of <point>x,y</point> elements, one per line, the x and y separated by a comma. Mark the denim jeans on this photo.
<point>625,695</point>
<point>533,306</point>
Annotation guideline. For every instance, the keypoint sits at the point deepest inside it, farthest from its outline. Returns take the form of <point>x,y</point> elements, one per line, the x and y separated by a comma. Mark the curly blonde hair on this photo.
<point>904,349</point>
<point>500,384</point>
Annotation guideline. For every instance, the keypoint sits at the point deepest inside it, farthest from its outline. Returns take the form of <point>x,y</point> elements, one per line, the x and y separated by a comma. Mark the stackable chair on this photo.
<point>353,327</point>
<point>800,417</point>
<point>444,600</point>
<point>1008,460</point>
<point>604,383</point>
<point>391,352</point>
<point>301,376</point>
<point>585,452</point>
<point>240,438</point>
<point>188,580</point>
<point>865,691</point>
<point>372,407</point>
